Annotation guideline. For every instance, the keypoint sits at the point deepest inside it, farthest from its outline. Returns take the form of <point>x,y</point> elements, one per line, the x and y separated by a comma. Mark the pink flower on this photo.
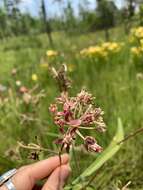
<point>62,99</point>
<point>59,121</point>
<point>53,108</point>
<point>72,114</point>
<point>74,123</point>
<point>23,89</point>
<point>70,104</point>
<point>91,145</point>
<point>88,119</point>
<point>67,139</point>
<point>84,97</point>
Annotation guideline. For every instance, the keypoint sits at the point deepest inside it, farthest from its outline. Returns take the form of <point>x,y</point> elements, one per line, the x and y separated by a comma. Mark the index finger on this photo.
<point>44,168</point>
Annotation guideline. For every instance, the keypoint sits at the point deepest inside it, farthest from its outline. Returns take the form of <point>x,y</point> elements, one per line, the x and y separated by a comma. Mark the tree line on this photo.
<point>105,15</point>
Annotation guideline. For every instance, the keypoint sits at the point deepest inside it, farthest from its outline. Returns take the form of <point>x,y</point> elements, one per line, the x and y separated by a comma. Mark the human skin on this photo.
<point>50,169</point>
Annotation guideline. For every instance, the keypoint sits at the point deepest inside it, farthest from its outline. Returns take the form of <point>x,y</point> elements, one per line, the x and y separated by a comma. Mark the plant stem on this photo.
<point>35,147</point>
<point>140,130</point>
<point>79,133</point>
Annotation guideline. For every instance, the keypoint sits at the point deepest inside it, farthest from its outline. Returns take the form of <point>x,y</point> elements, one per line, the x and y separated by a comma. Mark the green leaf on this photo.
<point>108,153</point>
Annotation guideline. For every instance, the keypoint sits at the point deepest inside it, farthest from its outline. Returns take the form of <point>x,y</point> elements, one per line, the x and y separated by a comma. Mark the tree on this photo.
<point>105,12</point>
<point>141,14</point>
<point>131,8</point>
<point>69,18</point>
<point>129,13</point>
<point>12,15</point>
<point>87,18</point>
<point>3,25</point>
<point>46,23</point>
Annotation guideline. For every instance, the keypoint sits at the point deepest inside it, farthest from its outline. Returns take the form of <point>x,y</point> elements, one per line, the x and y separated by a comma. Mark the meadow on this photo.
<point>112,72</point>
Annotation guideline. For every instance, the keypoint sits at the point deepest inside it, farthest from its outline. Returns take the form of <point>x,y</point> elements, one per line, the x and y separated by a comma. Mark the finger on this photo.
<point>27,176</point>
<point>3,188</point>
<point>44,168</point>
<point>58,178</point>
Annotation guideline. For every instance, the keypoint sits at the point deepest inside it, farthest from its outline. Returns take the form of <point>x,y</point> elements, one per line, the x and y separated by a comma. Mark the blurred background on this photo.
<point>101,42</point>
<point>27,17</point>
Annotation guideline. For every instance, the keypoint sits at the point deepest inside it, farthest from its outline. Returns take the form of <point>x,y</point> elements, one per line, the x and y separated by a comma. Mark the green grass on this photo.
<point>114,84</point>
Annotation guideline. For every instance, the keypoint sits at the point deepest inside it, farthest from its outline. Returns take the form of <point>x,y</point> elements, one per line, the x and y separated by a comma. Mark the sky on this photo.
<point>32,6</point>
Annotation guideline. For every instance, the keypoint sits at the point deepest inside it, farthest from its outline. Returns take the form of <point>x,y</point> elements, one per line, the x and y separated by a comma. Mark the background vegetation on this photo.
<point>116,80</point>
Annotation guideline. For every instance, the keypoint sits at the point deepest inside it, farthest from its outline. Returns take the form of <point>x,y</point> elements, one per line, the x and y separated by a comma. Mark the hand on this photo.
<point>27,176</point>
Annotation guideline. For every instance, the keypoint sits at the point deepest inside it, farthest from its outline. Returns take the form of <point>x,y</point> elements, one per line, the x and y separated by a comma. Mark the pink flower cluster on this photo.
<point>74,113</point>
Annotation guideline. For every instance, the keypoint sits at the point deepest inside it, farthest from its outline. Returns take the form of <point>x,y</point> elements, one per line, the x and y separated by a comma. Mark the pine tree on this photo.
<point>46,23</point>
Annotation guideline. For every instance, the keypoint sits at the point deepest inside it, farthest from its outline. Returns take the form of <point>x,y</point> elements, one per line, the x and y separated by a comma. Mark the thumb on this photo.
<point>58,178</point>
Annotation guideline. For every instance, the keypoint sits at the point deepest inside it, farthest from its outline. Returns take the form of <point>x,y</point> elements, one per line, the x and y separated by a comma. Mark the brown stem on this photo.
<point>35,147</point>
<point>140,130</point>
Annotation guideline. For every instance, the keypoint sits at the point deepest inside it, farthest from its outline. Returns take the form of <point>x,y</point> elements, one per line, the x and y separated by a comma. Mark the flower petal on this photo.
<point>74,123</point>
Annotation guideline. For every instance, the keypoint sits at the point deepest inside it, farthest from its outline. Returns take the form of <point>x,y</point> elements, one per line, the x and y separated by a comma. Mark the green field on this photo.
<point>116,82</point>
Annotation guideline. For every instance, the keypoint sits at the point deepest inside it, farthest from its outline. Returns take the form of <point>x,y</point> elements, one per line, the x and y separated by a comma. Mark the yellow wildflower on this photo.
<point>106,45</point>
<point>34,77</point>
<point>111,46</point>
<point>102,50</point>
<point>51,53</point>
<point>139,32</point>
<point>135,50</point>
<point>94,50</point>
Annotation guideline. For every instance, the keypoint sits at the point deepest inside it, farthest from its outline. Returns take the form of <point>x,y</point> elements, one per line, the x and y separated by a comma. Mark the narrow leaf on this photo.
<point>108,153</point>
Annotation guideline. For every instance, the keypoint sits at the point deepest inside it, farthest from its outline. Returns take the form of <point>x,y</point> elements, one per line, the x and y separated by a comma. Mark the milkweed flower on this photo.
<point>23,89</point>
<point>91,144</point>
<point>72,114</point>
<point>53,108</point>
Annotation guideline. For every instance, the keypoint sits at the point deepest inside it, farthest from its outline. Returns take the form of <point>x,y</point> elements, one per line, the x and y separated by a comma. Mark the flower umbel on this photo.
<point>73,114</point>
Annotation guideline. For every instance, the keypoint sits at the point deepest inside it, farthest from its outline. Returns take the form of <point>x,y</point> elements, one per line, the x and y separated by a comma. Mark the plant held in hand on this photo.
<point>71,114</point>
